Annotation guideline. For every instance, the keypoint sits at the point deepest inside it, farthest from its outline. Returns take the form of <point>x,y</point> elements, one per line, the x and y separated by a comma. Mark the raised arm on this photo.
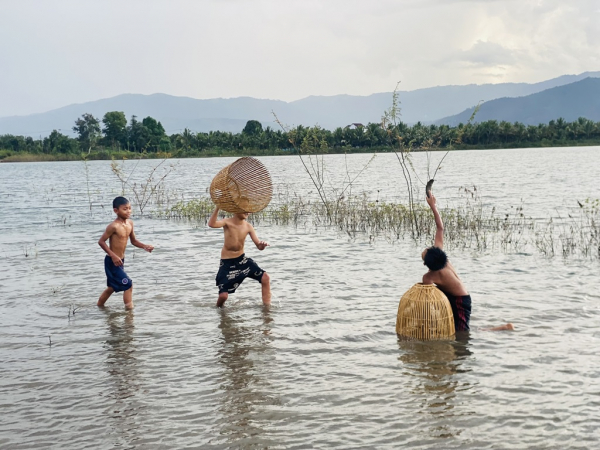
<point>102,243</point>
<point>214,221</point>
<point>137,243</point>
<point>261,245</point>
<point>439,225</point>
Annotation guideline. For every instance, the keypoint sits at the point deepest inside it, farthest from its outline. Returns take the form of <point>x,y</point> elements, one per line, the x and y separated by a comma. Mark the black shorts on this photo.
<point>116,277</point>
<point>461,309</point>
<point>235,270</point>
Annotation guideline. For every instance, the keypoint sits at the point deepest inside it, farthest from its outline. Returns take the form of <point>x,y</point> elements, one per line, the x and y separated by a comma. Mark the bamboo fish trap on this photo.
<point>425,313</point>
<point>243,186</point>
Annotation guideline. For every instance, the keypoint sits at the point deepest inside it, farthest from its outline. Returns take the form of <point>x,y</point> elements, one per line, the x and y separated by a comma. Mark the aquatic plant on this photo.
<point>467,224</point>
<point>151,189</point>
<point>575,234</point>
<point>402,144</point>
<point>87,180</point>
<point>310,145</point>
<point>30,250</point>
<point>195,209</point>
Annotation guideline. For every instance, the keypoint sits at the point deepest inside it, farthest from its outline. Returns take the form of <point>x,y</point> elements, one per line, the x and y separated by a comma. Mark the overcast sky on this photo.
<point>58,52</point>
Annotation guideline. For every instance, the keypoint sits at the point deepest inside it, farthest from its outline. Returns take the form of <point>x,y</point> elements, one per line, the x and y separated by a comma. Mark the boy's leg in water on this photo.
<point>505,327</point>
<point>104,296</point>
<point>265,281</point>
<point>128,298</point>
<point>222,298</point>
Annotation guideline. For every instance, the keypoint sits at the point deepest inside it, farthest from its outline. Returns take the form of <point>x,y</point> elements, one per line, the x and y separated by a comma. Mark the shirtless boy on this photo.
<point>442,274</point>
<point>117,233</point>
<point>235,267</point>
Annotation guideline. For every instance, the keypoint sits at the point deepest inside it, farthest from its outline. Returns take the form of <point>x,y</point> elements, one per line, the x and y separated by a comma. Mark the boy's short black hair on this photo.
<point>435,258</point>
<point>119,201</point>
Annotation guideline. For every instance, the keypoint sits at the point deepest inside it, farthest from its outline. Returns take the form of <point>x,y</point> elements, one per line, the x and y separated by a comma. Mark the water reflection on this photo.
<point>433,367</point>
<point>123,371</point>
<point>245,355</point>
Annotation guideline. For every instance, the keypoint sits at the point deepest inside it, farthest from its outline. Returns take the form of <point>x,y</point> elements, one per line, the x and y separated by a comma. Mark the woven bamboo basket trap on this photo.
<point>425,313</point>
<point>243,186</point>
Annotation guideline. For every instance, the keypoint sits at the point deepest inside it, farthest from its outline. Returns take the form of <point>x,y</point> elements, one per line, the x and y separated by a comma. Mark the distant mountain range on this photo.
<point>440,104</point>
<point>571,101</point>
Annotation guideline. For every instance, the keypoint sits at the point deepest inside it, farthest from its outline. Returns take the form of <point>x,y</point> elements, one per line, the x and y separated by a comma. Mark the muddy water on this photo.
<point>322,368</point>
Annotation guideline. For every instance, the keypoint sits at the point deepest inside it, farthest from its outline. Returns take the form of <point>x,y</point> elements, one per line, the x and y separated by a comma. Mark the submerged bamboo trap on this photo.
<point>243,186</point>
<point>424,312</point>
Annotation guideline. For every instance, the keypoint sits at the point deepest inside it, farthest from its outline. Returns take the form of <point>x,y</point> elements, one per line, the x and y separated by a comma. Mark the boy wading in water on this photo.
<point>442,274</point>
<point>235,266</point>
<point>117,233</point>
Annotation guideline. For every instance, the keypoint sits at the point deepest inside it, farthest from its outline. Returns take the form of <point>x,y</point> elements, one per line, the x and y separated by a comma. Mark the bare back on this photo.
<point>447,280</point>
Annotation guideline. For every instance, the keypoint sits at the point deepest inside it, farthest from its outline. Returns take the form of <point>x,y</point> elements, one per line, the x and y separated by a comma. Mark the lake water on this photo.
<point>323,367</point>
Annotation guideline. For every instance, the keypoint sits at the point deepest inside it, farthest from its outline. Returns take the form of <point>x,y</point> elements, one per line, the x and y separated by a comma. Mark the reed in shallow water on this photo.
<point>468,225</point>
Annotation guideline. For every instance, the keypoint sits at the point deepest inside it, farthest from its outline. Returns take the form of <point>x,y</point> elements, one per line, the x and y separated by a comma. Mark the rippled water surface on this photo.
<point>323,367</point>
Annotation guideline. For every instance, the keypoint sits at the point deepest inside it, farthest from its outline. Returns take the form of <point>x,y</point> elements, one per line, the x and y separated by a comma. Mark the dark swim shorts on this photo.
<point>235,270</point>
<point>461,309</point>
<point>116,277</point>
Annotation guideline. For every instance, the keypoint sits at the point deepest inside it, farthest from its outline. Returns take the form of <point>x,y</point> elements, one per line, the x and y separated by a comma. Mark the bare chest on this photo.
<point>236,232</point>
<point>122,231</point>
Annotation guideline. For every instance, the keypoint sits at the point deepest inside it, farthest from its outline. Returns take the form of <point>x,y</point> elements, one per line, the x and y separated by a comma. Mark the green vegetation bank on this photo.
<point>114,137</point>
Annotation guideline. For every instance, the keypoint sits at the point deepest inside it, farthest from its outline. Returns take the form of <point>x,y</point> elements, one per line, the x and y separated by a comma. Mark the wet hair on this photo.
<point>119,201</point>
<point>435,258</point>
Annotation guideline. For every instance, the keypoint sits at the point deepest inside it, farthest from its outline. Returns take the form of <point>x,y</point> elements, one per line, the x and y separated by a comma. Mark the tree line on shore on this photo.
<point>113,135</point>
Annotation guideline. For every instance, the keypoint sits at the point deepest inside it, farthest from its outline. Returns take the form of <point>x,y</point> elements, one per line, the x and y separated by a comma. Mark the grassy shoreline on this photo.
<point>108,156</point>
<point>10,157</point>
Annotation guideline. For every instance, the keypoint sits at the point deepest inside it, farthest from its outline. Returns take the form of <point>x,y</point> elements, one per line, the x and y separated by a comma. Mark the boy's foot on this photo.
<point>506,327</point>
<point>129,306</point>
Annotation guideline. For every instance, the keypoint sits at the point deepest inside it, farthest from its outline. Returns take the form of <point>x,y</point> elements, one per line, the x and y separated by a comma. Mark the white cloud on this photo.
<point>63,51</point>
<point>487,54</point>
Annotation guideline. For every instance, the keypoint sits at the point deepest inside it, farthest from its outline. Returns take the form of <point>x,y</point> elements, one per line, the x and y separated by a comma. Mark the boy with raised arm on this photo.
<point>442,274</point>
<point>235,267</point>
<point>117,233</point>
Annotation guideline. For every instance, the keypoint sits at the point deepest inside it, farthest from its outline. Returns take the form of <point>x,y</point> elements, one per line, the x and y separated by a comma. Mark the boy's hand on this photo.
<point>116,260</point>
<point>148,248</point>
<point>431,200</point>
<point>262,245</point>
